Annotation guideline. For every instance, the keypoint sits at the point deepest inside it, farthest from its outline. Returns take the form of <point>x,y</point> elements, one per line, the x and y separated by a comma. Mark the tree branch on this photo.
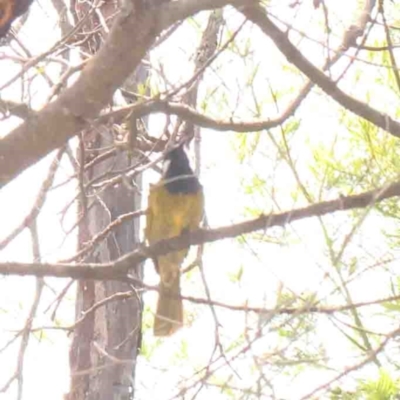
<point>189,114</point>
<point>131,36</point>
<point>119,269</point>
<point>258,16</point>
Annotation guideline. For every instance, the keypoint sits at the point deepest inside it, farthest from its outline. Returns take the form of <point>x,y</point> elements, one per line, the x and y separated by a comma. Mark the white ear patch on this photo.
<point>166,165</point>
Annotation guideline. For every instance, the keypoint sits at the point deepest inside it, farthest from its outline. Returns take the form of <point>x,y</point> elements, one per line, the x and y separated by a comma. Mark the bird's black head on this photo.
<point>178,174</point>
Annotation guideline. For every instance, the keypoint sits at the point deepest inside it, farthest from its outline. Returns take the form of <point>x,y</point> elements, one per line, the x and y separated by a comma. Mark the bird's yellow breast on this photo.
<point>169,214</point>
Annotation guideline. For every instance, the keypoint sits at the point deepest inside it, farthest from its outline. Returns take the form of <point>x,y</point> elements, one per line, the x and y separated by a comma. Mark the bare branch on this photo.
<point>103,234</point>
<point>188,113</point>
<point>119,269</point>
<point>357,29</point>
<point>384,121</point>
<point>369,357</point>
<point>39,202</point>
<point>130,38</point>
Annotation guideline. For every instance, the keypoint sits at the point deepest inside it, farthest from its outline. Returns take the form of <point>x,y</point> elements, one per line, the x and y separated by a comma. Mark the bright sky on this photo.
<point>300,267</point>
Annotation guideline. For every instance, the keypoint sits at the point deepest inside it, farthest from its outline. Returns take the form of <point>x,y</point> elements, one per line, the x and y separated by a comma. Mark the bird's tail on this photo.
<point>169,315</point>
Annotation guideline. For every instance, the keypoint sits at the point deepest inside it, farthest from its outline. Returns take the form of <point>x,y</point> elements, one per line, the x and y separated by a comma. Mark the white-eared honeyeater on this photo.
<point>175,205</point>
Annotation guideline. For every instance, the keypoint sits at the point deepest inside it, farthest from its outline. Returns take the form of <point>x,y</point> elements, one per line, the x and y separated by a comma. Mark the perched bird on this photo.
<point>9,11</point>
<point>175,205</point>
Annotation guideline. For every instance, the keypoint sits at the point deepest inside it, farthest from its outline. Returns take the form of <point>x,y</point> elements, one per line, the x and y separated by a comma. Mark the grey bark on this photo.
<point>105,345</point>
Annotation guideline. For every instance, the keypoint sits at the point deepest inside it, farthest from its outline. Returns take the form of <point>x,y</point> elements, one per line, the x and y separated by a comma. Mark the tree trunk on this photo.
<point>105,345</point>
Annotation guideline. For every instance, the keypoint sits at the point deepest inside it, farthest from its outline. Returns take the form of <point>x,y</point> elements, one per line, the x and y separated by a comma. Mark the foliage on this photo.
<point>294,293</point>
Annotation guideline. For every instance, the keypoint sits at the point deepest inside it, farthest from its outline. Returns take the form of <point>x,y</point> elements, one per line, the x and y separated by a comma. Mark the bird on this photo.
<point>9,11</point>
<point>175,206</point>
